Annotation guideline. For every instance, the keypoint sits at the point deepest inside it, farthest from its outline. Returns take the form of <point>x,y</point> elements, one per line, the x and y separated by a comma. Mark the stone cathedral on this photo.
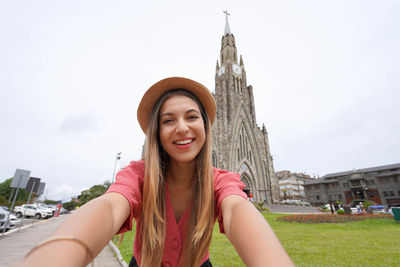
<point>239,144</point>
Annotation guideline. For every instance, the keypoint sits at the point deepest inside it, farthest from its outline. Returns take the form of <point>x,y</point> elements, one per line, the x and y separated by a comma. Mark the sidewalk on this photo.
<point>15,245</point>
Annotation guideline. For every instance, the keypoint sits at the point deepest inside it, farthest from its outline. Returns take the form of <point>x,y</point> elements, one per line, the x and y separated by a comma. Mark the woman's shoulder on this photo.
<point>133,169</point>
<point>137,166</point>
<point>217,171</point>
<point>224,175</point>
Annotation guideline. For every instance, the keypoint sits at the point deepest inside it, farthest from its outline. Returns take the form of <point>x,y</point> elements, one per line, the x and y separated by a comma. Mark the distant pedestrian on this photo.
<point>332,208</point>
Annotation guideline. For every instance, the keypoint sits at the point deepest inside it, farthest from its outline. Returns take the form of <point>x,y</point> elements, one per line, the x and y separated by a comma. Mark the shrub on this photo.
<point>340,212</point>
<point>260,207</point>
<point>331,218</point>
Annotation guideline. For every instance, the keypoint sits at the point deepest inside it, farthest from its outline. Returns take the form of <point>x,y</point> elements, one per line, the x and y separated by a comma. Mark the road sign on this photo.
<point>33,182</point>
<point>20,179</point>
<point>41,188</point>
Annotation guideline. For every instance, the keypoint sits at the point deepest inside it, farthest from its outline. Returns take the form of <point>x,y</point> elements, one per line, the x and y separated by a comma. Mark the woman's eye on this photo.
<point>166,121</point>
<point>193,117</point>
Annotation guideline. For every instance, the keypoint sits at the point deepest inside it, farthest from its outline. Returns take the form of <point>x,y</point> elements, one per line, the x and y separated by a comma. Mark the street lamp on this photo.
<point>118,157</point>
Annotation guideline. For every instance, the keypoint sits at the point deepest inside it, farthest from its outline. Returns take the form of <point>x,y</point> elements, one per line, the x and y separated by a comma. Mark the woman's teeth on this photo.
<point>184,142</point>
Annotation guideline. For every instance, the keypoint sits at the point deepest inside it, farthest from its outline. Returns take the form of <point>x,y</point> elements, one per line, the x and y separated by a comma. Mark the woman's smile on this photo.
<point>184,143</point>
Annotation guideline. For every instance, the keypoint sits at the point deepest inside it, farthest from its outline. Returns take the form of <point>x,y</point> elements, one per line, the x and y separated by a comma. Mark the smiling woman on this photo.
<point>182,133</point>
<point>174,194</point>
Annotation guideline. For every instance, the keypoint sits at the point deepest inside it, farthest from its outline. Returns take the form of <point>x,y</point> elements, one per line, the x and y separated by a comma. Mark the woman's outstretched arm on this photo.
<point>95,223</point>
<point>251,235</point>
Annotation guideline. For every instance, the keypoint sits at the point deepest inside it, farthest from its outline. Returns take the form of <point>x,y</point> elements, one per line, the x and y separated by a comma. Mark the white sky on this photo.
<point>325,74</point>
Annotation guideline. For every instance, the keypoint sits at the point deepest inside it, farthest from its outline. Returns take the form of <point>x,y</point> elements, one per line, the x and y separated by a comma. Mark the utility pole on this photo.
<point>118,157</point>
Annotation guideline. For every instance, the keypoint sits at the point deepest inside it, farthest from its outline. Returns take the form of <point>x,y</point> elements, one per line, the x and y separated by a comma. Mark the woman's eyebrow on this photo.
<point>166,114</point>
<point>188,111</point>
<point>193,110</point>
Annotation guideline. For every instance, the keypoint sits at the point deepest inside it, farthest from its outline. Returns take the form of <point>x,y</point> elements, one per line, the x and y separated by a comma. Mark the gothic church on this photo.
<point>239,144</point>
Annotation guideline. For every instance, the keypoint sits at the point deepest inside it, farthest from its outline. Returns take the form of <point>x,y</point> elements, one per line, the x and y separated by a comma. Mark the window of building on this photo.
<point>395,180</point>
<point>348,194</point>
<point>372,182</point>
<point>327,186</point>
<point>385,193</point>
<point>366,182</point>
<point>371,194</point>
<point>339,196</point>
<point>317,197</point>
<point>391,193</point>
<point>316,187</point>
<point>345,185</point>
<point>356,183</point>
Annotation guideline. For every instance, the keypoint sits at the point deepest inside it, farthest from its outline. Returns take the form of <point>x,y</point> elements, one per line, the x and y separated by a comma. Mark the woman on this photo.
<point>174,194</point>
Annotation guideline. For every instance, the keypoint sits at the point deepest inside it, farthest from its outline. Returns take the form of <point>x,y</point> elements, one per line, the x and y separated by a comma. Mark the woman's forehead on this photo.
<point>179,103</point>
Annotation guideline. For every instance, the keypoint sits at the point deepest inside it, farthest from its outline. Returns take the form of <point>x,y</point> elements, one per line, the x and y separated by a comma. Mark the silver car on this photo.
<point>3,220</point>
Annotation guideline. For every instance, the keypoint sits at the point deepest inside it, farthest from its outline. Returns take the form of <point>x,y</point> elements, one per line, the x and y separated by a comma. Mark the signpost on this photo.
<point>19,180</point>
<point>32,186</point>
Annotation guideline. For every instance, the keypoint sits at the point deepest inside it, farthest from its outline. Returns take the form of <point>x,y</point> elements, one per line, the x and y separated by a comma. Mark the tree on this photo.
<point>5,191</point>
<point>93,192</point>
<point>49,201</point>
<point>70,205</point>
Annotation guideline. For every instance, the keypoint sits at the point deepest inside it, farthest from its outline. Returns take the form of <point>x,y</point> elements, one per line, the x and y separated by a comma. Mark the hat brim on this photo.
<point>158,89</point>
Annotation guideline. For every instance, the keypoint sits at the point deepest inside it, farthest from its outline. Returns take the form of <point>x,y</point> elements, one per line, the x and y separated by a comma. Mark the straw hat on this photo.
<point>158,89</point>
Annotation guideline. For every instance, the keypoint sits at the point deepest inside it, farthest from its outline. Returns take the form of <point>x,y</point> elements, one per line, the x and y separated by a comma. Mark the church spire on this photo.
<point>228,47</point>
<point>227,29</point>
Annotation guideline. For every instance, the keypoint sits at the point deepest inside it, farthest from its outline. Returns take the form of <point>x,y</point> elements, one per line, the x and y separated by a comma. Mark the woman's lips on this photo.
<point>184,143</point>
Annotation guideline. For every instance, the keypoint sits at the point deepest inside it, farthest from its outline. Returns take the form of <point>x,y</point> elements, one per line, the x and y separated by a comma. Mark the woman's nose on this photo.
<point>182,126</point>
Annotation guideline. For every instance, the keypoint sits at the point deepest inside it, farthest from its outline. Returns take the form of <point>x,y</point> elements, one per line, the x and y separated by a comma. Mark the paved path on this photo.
<point>293,209</point>
<point>15,245</point>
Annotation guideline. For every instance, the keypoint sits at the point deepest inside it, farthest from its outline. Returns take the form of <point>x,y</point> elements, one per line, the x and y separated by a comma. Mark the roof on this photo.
<point>389,173</point>
<point>372,169</point>
<point>321,181</point>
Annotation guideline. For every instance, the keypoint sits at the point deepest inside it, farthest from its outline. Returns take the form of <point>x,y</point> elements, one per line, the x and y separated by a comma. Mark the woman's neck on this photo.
<point>181,173</point>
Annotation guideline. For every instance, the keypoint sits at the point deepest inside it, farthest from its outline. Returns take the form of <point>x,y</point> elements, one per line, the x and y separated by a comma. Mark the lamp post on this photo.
<point>118,157</point>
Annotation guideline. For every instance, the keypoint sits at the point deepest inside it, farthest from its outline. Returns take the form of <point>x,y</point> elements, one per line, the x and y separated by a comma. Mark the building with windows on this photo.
<point>377,184</point>
<point>291,184</point>
<point>239,144</point>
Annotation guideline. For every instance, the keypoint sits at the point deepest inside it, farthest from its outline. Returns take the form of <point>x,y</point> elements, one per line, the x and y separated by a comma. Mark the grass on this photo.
<point>361,243</point>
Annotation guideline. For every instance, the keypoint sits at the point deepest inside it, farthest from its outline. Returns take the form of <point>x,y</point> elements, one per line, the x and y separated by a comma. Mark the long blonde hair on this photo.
<point>201,222</point>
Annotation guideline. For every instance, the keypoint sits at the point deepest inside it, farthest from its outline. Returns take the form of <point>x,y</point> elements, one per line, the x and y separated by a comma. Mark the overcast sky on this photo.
<point>325,76</point>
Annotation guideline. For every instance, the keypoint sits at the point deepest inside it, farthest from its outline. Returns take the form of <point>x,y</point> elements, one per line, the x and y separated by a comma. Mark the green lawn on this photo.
<point>362,243</point>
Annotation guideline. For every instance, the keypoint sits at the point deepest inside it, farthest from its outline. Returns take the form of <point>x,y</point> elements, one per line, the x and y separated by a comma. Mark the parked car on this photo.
<point>355,210</point>
<point>4,208</point>
<point>3,220</point>
<point>377,209</point>
<point>295,202</point>
<point>50,206</point>
<point>33,210</point>
<point>64,211</point>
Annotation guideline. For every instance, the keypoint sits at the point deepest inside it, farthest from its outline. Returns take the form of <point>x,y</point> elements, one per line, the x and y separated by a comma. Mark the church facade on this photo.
<point>239,144</point>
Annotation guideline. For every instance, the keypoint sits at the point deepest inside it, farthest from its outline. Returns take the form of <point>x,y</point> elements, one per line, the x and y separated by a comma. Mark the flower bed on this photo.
<point>331,218</point>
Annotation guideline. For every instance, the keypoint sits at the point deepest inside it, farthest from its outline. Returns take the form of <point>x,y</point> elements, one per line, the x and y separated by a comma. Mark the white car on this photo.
<point>33,210</point>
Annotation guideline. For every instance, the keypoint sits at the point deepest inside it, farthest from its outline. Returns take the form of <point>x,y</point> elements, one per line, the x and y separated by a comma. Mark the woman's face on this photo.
<point>182,132</point>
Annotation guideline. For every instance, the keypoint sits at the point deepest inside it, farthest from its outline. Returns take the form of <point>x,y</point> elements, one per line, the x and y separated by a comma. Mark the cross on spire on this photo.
<point>227,29</point>
<point>226,13</point>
